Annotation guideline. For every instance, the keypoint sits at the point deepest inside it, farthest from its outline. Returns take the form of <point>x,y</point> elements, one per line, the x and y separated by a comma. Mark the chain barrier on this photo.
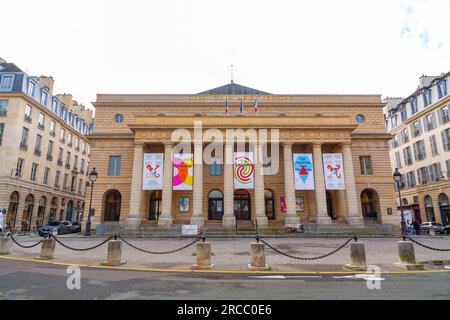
<point>80,249</point>
<point>21,245</point>
<point>308,258</point>
<point>424,245</point>
<point>160,252</point>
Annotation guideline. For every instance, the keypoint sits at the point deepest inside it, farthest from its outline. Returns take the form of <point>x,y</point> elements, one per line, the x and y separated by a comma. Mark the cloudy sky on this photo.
<point>303,47</point>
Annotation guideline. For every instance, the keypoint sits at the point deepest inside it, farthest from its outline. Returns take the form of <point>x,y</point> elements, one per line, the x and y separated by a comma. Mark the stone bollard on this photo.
<point>432,232</point>
<point>48,249</point>
<point>258,257</point>
<point>203,253</point>
<point>5,245</point>
<point>407,256</point>
<point>114,254</point>
<point>357,256</point>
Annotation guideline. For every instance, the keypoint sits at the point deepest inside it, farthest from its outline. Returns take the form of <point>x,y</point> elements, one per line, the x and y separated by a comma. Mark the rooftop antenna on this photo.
<point>232,67</point>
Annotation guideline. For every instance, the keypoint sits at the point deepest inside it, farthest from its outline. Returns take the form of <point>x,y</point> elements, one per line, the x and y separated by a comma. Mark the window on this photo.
<point>434,172</point>
<point>65,181</point>
<point>413,103</point>
<point>84,147</point>
<point>430,122</point>
<point>58,173</point>
<point>403,114</point>
<point>73,184</point>
<point>396,141</point>
<point>366,165</point>
<point>69,140</point>
<point>55,106</point>
<point>426,97</point>
<point>416,129</point>
<point>60,156</point>
<point>7,82</point>
<point>443,114</point>
<point>82,166</point>
<point>114,165</point>
<point>422,174</point>
<point>118,118</point>
<point>24,139</point>
<point>410,179</point>
<point>52,128</point>
<point>61,135</point>
<point>34,168</point>
<point>2,128</point>
<point>68,159</point>
<point>28,111</point>
<point>41,120</point>
<point>216,169</point>
<point>46,172</point>
<point>50,150</point>
<point>80,186</point>
<point>37,147</point>
<point>447,164</point>
<point>442,89</point>
<point>77,144</point>
<point>44,96</point>
<point>394,121</point>
<point>360,118</point>
<point>397,160</point>
<point>433,145</point>
<point>19,167</point>
<point>404,135</point>
<point>419,150</point>
<point>407,157</point>
<point>75,163</point>
<point>31,88</point>
<point>3,108</point>
<point>87,169</point>
<point>446,139</point>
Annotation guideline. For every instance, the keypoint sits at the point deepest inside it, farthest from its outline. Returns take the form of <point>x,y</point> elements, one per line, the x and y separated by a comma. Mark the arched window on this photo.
<point>27,212</point>
<point>429,210</point>
<point>215,207</point>
<point>444,208</point>
<point>113,200</point>
<point>12,210</point>
<point>370,204</point>
<point>41,212</point>
<point>269,204</point>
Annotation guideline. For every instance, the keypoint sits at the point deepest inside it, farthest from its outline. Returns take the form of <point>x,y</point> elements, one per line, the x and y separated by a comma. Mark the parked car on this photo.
<point>56,228</point>
<point>76,227</point>
<point>447,229</point>
<point>426,226</point>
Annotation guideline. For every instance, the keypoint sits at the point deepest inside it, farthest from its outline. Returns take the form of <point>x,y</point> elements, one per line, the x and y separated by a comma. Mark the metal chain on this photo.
<point>307,258</point>
<point>425,246</point>
<point>24,246</point>
<point>161,252</point>
<point>80,249</point>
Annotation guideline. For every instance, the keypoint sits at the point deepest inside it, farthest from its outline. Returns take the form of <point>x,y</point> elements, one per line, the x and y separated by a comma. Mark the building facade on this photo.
<point>130,130</point>
<point>43,150</point>
<point>420,148</point>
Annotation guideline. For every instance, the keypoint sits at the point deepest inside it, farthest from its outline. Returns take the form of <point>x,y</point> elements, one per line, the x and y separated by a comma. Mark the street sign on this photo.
<point>189,230</point>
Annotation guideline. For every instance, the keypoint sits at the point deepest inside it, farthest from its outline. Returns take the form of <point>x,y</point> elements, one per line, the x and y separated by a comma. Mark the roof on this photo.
<point>233,88</point>
<point>9,67</point>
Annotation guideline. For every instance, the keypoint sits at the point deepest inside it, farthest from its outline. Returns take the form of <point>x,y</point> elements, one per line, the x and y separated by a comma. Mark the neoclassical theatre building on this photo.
<point>331,167</point>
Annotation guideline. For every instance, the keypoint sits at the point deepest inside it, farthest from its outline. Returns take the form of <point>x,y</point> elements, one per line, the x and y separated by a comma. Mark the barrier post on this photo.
<point>5,245</point>
<point>203,254</point>
<point>114,253</point>
<point>407,256</point>
<point>357,257</point>
<point>48,249</point>
<point>258,257</point>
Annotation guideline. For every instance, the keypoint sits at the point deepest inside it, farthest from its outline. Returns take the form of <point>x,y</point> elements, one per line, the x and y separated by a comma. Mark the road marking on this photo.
<point>447,267</point>
<point>268,277</point>
<point>360,277</point>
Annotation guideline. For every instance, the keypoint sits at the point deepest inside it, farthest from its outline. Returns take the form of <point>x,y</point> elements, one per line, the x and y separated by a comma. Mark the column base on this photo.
<point>229,222</point>
<point>165,221</point>
<point>355,221</point>
<point>133,222</point>
<point>292,220</point>
<point>323,220</point>
<point>263,222</point>
<point>198,221</point>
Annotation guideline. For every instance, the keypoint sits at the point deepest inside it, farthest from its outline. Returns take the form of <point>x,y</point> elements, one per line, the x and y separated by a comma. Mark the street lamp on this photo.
<point>93,175</point>
<point>398,180</point>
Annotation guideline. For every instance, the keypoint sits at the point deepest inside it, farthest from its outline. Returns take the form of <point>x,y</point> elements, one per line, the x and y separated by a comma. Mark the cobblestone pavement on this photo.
<point>235,253</point>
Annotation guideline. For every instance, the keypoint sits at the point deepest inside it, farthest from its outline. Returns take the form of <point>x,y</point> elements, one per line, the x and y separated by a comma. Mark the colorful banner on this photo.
<point>333,168</point>
<point>303,171</point>
<point>152,178</point>
<point>183,171</point>
<point>243,170</point>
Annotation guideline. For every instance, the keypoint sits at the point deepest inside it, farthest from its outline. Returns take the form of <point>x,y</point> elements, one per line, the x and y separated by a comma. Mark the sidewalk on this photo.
<point>234,254</point>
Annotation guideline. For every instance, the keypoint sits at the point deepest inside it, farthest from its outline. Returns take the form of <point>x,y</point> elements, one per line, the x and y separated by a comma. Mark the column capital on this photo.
<point>287,144</point>
<point>317,144</point>
<point>139,144</point>
<point>346,144</point>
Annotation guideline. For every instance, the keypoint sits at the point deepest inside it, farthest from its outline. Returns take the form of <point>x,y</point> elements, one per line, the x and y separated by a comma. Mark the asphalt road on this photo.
<point>30,280</point>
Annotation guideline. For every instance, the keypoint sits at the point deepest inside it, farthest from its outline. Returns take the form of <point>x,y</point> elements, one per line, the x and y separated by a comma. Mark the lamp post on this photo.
<point>398,180</point>
<point>93,175</point>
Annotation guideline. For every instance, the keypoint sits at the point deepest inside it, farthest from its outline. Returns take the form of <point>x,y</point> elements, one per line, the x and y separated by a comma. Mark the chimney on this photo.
<point>425,80</point>
<point>47,82</point>
<point>67,99</point>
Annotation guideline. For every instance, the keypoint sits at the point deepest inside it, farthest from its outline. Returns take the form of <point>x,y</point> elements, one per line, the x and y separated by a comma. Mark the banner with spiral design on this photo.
<point>244,167</point>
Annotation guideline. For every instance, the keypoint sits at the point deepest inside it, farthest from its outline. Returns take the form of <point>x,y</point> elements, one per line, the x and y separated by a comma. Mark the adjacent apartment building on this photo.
<point>420,148</point>
<point>43,150</point>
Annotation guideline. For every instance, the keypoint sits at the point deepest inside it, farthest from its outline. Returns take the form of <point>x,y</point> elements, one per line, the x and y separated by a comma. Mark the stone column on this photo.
<point>166,217</point>
<point>229,219</point>
<point>197,212</point>
<point>321,196</point>
<point>289,188</point>
<point>134,215</point>
<point>353,217</point>
<point>259,188</point>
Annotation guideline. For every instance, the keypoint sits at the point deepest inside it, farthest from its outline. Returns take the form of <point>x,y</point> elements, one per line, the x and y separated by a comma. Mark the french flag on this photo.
<point>226,105</point>
<point>256,105</point>
<point>242,107</point>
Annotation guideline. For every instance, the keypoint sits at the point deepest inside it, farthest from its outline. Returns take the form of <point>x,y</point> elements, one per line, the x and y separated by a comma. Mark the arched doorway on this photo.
<point>27,213</point>
<point>269,204</point>
<point>330,209</point>
<point>242,205</point>
<point>113,200</point>
<point>215,205</point>
<point>11,216</point>
<point>53,209</point>
<point>444,208</point>
<point>370,205</point>
<point>155,205</point>
<point>41,212</point>
<point>69,212</point>
<point>429,210</point>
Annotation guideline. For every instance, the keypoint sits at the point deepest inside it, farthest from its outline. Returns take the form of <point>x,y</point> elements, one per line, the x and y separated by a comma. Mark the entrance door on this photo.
<point>329,205</point>
<point>215,208</point>
<point>155,205</point>
<point>242,205</point>
<point>69,212</point>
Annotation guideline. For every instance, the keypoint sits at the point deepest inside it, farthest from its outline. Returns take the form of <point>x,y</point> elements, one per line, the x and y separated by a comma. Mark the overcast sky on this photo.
<point>299,47</point>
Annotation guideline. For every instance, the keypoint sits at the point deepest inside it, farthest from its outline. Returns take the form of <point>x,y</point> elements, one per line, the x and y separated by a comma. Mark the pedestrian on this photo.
<point>416,227</point>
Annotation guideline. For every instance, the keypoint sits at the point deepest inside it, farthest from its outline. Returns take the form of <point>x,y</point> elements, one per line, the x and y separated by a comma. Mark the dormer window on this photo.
<point>426,97</point>
<point>44,96</point>
<point>31,88</point>
<point>442,89</point>
<point>413,103</point>
<point>6,82</point>
<point>55,106</point>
